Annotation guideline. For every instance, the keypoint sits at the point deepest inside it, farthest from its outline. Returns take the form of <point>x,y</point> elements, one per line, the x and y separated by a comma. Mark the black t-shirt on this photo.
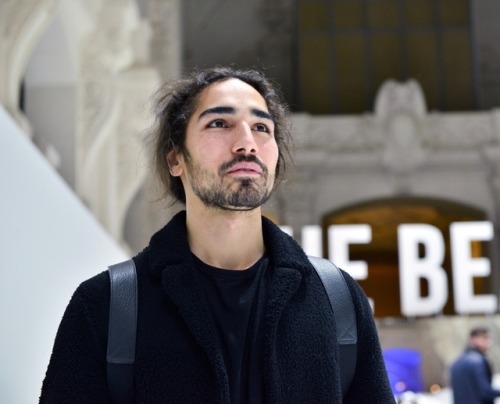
<point>236,299</point>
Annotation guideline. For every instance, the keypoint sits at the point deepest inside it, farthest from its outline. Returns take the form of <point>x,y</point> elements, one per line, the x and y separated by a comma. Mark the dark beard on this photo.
<point>250,193</point>
<point>245,198</point>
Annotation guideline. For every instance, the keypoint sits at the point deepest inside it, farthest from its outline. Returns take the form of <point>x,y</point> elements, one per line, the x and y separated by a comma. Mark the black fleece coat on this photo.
<point>178,359</point>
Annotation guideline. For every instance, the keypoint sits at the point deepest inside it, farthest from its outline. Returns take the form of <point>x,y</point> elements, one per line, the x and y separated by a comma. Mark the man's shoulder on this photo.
<point>473,356</point>
<point>94,288</point>
<point>468,357</point>
<point>97,280</point>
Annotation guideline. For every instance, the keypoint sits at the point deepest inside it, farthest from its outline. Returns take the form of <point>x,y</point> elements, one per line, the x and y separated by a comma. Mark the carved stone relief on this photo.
<point>21,23</point>
<point>399,142</point>
<point>369,132</point>
<point>116,83</point>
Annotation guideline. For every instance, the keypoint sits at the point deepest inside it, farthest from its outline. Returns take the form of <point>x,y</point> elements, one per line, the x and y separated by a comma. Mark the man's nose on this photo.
<point>244,142</point>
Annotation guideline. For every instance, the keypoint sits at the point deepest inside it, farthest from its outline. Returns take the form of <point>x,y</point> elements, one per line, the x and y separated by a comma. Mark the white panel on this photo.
<point>50,243</point>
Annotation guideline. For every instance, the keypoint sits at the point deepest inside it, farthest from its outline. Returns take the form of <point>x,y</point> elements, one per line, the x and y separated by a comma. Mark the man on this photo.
<point>230,309</point>
<point>471,372</point>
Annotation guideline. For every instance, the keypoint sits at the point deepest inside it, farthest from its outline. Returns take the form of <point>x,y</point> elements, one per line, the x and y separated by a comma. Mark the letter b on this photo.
<point>412,268</point>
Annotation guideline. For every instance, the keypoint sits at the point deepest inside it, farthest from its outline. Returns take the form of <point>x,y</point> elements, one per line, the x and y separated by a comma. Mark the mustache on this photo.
<point>238,159</point>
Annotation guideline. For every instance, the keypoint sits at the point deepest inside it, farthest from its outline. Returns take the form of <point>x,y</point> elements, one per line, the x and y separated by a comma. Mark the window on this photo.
<point>347,48</point>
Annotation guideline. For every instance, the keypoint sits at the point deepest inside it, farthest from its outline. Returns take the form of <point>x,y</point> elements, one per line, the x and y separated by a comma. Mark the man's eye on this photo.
<point>217,124</point>
<point>260,127</point>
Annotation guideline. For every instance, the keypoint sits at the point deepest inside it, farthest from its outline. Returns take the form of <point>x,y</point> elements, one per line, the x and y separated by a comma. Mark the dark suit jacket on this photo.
<point>471,379</point>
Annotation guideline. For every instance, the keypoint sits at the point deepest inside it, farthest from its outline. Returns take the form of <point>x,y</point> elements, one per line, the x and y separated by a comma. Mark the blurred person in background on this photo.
<point>471,374</point>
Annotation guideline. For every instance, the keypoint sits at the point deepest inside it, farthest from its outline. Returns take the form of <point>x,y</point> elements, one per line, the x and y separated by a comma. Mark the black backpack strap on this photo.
<point>122,327</point>
<point>122,330</point>
<point>345,317</point>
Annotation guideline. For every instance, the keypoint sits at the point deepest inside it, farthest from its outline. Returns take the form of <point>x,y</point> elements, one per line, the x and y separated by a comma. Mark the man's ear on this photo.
<point>174,164</point>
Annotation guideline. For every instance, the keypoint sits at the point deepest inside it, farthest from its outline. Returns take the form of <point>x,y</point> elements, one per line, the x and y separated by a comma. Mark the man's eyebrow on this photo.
<point>262,114</point>
<point>217,110</point>
<point>230,110</point>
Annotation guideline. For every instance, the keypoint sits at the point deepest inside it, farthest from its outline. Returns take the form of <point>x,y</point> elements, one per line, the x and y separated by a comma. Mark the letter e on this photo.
<point>465,267</point>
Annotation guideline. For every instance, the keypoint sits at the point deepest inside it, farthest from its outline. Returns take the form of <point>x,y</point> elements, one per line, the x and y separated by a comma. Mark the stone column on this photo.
<point>492,156</point>
<point>112,112</point>
<point>165,19</point>
<point>275,46</point>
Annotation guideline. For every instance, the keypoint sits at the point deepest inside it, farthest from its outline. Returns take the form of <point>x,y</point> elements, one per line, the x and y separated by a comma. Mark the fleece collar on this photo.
<point>170,246</point>
<point>170,259</point>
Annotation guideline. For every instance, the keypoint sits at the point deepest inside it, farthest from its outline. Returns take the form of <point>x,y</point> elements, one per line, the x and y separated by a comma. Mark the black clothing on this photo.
<point>236,300</point>
<point>178,354</point>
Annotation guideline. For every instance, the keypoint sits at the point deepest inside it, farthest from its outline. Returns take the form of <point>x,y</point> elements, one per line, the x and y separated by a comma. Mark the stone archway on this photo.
<point>381,254</point>
<point>21,25</point>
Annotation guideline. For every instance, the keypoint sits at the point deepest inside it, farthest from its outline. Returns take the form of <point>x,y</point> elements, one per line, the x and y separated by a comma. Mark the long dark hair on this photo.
<point>175,103</point>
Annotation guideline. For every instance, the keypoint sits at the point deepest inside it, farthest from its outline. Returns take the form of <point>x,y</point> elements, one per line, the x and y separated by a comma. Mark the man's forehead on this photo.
<point>228,90</point>
<point>229,97</point>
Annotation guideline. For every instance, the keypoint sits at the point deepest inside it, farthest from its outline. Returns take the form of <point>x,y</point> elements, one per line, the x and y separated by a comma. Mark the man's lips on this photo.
<point>245,167</point>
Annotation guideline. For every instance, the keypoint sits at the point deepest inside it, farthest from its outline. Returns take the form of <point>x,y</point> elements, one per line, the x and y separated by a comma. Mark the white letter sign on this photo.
<point>465,268</point>
<point>412,268</point>
<point>339,238</point>
<point>311,241</point>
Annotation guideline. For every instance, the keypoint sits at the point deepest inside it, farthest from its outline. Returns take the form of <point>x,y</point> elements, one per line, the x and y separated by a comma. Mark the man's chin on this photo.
<point>239,208</point>
<point>242,199</point>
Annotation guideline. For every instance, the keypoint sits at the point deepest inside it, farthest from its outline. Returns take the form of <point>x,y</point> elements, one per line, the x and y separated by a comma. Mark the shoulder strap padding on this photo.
<point>345,316</point>
<point>122,331</point>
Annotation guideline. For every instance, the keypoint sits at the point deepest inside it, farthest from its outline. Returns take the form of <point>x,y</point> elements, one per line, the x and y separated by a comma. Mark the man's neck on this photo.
<point>226,239</point>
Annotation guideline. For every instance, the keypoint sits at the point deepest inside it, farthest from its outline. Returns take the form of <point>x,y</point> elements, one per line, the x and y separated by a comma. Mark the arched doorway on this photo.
<point>50,92</point>
<point>381,254</point>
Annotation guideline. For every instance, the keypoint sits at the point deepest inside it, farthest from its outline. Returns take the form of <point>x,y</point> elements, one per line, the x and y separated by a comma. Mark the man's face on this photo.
<point>230,150</point>
<point>482,342</point>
